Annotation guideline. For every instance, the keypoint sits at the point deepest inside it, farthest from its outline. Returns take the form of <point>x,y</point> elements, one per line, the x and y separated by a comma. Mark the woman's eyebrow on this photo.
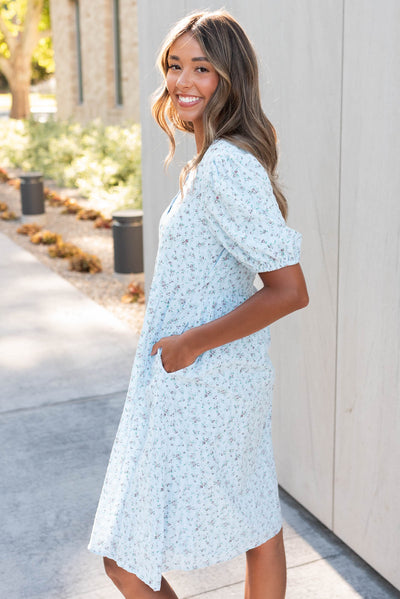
<point>196,59</point>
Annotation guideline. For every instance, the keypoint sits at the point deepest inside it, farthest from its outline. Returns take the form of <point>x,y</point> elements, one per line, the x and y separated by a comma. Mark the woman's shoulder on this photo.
<point>224,149</point>
<point>225,157</point>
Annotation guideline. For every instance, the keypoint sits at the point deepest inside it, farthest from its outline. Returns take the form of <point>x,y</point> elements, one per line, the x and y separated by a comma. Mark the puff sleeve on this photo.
<point>242,212</point>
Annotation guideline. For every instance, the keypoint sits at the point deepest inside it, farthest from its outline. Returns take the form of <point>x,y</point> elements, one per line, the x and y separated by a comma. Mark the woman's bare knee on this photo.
<point>266,569</point>
<point>125,581</point>
<point>116,573</point>
<point>270,547</point>
<point>111,567</point>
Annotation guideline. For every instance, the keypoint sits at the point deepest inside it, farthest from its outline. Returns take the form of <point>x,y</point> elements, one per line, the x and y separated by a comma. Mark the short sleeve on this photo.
<point>242,212</point>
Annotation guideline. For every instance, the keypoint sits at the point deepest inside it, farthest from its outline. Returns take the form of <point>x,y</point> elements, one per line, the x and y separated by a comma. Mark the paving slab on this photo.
<point>56,344</point>
<point>337,578</point>
<point>335,571</point>
<point>52,467</point>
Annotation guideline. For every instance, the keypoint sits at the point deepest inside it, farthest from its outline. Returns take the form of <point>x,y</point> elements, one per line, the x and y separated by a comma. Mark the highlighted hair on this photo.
<point>234,111</point>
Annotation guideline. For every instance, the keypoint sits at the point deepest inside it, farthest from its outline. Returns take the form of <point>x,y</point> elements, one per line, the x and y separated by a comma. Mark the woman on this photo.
<point>191,479</point>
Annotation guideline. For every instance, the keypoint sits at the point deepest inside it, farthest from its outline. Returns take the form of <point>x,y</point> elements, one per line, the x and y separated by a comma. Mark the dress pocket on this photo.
<point>180,372</point>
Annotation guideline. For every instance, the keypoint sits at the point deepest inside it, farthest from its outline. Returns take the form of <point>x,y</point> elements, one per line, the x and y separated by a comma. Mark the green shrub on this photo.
<point>102,161</point>
<point>14,141</point>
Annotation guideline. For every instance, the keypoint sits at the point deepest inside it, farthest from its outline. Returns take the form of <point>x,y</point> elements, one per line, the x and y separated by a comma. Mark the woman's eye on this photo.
<point>202,69</point>
<point>173,67</point>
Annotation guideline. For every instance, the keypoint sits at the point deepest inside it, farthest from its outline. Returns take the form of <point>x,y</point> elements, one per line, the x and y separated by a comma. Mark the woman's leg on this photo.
<point>132,587</point>
<point>266,570</point>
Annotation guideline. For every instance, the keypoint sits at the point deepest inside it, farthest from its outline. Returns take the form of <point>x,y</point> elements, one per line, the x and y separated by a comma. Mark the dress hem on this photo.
<point>184,565</point>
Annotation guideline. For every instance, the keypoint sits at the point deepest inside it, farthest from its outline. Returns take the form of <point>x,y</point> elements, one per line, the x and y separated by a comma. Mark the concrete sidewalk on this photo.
<point>65,365</point>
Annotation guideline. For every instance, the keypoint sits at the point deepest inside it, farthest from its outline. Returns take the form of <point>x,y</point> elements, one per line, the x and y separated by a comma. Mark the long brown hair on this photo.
<point>234,111</point>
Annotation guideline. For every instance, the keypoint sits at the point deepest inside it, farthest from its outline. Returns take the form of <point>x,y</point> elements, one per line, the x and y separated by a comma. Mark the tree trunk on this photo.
<point>20,108</point>
<point>17,68</point>
<point>19,83</point>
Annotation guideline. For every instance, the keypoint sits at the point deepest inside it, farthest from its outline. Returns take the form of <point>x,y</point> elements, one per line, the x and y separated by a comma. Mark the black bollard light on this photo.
<point>128,241</point>
<point>32,195</point>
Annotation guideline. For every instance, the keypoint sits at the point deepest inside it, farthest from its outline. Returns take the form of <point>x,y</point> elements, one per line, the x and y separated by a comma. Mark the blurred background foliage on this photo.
<point>102,161</point>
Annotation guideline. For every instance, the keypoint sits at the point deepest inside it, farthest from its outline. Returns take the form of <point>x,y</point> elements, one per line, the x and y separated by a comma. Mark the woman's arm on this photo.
<point>284,291</point>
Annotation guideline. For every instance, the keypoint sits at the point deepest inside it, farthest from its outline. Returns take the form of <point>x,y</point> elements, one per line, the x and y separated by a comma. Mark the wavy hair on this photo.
<point>234,111</point>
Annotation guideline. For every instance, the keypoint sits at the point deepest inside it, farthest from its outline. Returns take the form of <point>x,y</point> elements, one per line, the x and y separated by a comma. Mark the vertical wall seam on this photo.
<point>338,268</point>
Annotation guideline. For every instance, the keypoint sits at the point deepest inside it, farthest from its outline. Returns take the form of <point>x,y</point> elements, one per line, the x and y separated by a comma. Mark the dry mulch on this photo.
<point>106,288</point>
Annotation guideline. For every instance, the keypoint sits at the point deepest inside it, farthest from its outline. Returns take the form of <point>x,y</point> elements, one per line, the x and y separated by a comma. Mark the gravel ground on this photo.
<point>106,288</point>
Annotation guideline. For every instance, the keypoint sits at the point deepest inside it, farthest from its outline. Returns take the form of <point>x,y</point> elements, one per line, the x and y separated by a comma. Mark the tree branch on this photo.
<point>30,33</point>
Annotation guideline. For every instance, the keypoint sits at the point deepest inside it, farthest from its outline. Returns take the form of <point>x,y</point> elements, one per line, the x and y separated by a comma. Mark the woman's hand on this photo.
<point>176,352</point>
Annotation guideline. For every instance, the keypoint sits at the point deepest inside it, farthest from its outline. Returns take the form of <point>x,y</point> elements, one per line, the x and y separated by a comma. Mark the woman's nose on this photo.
<point>183,80</point>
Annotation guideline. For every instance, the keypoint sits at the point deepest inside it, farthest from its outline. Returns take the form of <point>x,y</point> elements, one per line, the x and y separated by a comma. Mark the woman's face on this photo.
<point>191,80</point>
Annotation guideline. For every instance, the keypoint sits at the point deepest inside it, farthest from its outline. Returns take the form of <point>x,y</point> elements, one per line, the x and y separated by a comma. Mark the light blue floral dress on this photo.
<point>191,478</point>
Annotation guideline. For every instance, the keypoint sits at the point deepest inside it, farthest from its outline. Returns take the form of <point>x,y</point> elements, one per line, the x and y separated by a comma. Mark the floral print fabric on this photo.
<point>191,478</point>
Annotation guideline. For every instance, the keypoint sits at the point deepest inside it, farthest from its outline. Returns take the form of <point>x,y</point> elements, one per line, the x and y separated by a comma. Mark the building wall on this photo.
<point>97,35</point>
<point>367,440</point>
<point>330,86</point>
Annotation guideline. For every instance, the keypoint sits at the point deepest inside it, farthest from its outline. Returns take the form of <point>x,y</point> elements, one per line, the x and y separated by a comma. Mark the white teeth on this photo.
<point>188,99</point>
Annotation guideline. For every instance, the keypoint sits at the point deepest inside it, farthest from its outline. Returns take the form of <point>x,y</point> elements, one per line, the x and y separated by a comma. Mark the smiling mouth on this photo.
<point>188,100</point>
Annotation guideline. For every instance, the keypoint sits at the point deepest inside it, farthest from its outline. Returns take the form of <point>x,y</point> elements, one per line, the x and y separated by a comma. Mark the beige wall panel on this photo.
<point>306,75</point>
<point>367,496</point>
